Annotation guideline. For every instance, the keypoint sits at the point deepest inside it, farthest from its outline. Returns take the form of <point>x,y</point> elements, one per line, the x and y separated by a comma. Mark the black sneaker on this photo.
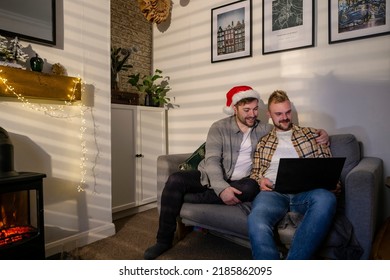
<point>156,250</point>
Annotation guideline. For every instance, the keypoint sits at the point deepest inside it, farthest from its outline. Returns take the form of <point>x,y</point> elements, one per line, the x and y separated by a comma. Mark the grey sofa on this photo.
<point>361,177</point>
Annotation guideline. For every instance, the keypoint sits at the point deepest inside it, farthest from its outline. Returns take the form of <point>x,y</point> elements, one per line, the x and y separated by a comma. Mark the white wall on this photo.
<point>343,88</point>
<point>52,144</point>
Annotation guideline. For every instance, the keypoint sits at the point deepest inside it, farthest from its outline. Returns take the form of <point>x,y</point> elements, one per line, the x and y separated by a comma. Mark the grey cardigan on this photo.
<point>222,148</point>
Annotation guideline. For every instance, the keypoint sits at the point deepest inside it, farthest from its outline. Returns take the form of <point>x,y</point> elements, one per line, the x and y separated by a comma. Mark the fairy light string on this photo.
<point>58,111</point>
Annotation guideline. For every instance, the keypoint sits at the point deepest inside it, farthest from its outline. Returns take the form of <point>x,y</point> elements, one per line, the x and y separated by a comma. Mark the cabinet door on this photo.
<point>123,154</point>
<point>152,143</point>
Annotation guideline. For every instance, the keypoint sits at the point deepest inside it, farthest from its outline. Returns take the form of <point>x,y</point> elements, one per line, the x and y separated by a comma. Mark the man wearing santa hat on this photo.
<point>223,175</point>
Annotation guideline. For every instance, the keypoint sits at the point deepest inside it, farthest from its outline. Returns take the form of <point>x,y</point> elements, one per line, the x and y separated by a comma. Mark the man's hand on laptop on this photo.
<point>337,190</point>
<point>266,184</point>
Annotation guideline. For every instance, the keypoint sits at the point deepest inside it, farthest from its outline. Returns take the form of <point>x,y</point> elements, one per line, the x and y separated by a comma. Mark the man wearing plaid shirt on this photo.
<point>318,206</point>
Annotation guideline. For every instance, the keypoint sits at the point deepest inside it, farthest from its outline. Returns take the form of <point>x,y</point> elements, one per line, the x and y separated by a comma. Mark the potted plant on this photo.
<point>155,91</point>
<point>119,57</point>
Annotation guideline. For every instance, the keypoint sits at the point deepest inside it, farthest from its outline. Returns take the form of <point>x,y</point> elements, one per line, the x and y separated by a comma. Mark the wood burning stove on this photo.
<point>21,208</point>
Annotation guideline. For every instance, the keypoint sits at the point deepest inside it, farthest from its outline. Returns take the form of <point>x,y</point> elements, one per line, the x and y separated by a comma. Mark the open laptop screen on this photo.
<point>303,174</point>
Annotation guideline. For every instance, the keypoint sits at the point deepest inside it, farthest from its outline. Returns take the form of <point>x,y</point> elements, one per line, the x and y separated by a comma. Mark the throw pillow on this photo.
<point>192,162</point>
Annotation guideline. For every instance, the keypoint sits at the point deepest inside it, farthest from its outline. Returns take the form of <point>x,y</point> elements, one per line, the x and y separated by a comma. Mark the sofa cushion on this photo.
<point>192,162</point>
<point>225,219</point>
<point>345,145</point>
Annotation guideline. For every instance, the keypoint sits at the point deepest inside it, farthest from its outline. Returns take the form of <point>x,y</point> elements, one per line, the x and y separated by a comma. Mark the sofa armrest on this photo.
<point>166,165</point>
<point>361,200</point>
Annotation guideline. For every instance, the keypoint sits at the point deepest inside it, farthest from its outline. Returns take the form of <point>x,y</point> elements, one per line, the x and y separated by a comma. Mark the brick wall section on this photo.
<point>130,28</point>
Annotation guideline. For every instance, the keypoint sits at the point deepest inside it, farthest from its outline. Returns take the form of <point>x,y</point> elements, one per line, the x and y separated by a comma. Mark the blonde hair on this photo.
<point>277,96</point>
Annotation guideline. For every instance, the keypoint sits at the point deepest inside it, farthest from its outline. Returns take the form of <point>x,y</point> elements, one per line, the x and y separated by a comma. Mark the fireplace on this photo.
<point>21,209</point>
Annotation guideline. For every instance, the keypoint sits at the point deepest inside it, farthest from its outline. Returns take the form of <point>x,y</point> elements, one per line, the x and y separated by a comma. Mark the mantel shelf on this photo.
<point>32,84</point>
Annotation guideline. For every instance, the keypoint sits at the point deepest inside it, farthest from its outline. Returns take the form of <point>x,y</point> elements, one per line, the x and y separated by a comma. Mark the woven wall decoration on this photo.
<point>155,11</point>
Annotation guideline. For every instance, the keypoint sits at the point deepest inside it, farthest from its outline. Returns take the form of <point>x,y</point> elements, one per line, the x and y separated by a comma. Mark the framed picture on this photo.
<point>287,25</point>
<point>352,20</point>
<point>231,31</point>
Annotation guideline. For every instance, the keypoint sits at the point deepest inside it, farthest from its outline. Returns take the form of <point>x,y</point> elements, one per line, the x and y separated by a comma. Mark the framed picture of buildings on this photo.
<point>352,20</point>
<point>231,31</point>
<point>287,25</point>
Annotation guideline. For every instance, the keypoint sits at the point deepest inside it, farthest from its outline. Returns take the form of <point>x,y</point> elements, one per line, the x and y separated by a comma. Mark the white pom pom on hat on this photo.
<point>236,94</point>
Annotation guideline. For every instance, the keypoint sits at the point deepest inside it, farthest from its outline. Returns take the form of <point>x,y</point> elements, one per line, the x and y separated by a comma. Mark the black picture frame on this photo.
<point>287,27</point>
<point>33,21</point>
<point>354,21</point>
<point>231,31</point>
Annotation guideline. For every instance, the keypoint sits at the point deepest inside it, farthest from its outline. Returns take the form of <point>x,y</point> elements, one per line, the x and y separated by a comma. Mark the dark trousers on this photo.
<point>185,186</point>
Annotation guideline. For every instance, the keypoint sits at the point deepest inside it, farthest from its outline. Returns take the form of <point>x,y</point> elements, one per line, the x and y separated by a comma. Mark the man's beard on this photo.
<point>244,121</point>
<point>284,128</point>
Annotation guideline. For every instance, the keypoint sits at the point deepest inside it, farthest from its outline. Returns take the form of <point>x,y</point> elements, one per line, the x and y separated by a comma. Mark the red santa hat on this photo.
<point>236,94</point>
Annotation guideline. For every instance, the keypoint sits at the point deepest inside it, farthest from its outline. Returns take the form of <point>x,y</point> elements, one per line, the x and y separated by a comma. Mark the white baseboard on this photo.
<point>132,211</point>
<point>79,239</point>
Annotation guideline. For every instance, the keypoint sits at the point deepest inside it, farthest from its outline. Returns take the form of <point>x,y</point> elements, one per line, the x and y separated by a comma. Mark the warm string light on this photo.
<point>59,112</point>
<point>83,159</point>
<point>97,151</point>
<point>50,110</point>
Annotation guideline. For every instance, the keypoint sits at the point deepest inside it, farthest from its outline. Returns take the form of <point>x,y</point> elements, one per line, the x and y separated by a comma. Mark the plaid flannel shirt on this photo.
<point>304,142</point>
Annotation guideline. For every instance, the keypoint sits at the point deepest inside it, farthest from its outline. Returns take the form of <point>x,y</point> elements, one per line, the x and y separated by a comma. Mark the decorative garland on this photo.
<point>59,112</point>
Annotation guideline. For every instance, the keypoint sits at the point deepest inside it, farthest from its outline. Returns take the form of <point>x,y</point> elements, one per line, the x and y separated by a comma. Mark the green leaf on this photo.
<point>150,85</point>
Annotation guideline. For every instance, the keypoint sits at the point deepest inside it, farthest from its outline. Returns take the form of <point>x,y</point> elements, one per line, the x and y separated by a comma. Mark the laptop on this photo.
<point>303,174</point>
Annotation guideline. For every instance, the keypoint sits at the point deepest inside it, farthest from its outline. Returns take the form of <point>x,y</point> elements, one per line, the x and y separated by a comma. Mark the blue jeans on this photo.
<point>268,208</point>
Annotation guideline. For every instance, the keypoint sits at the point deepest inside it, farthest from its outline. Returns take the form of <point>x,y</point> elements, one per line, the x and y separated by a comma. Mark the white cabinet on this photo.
<point>138,137</point>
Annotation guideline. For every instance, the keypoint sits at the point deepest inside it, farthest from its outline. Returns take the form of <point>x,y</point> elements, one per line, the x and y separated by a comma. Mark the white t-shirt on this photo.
<point>244,161</point>
<point>285,149</point>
